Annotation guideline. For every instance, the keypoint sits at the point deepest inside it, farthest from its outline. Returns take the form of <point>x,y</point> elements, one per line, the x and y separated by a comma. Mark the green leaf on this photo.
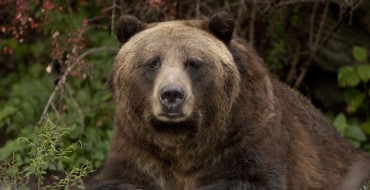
<point>366,127</point>
<point>340,123</point>
<point>52,167</point>
<point>354,99</point>
<point>29,173</point>
<point>363,71</point>
<point>359,53</point>
<point>355,133</point>
<point>7,111</point>
<point>347,77</point>
<point>35,71</point>
<point>56,177</point>
<point>7,149</point>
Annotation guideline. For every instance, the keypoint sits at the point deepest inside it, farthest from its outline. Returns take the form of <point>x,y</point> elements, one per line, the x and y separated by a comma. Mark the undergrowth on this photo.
<point>45,154</point>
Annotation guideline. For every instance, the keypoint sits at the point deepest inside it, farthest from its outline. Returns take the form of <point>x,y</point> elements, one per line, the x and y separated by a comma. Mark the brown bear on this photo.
<point>197,109</point>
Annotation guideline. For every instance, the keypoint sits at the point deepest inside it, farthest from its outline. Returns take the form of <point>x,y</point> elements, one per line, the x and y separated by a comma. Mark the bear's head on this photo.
<point>176,76</point>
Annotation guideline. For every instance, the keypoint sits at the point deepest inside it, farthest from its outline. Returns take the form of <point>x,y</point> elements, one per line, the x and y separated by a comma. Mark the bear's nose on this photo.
<point>172,96</point>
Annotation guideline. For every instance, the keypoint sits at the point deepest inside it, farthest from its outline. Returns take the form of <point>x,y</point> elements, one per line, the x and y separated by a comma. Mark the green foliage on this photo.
<point>363,71</point>
<point>355,80</point>
<point>366,127</point>
<point>366,186</point>
<point>340,122</point>
<point>45,151</point>
<point>89,112</point>
<point>359,53</point>
<point>10,176</point>
<point>348,77</point>
<point>73,178</point>
<point>351,76</point>
<point>43,155</point>
<point>83,104</point>
<point>26,96</point>
<point>276,48</point>
<point>354,99</point>
<point>351,131</point>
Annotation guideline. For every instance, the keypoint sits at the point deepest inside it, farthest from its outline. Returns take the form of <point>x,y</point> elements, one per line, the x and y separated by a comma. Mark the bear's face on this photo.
<point>173,75</point>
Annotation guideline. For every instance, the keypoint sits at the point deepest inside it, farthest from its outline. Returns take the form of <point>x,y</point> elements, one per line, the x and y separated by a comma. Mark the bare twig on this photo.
<point>323,20</point>
<point>304,69</point>
<point>74,101</point>
<point>62,81</point>
<point>197,9</point>
<point>97,18</point>
<point>55,110</point>
<point>315,47</point>
<point>318,45</point>
<point>312,24</point>
<point>252,22</point>
<point>112,18</point>
<point>289,2</point>
<point>293,67</point>
<point>240,15</point>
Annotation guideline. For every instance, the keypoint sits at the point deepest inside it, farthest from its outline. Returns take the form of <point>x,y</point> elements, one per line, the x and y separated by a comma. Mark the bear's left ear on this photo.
<point>222,26</point>
<point>127,26</point>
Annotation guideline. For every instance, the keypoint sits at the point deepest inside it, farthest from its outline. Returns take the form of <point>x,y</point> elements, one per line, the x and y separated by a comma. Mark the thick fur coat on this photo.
<point>229,124</point>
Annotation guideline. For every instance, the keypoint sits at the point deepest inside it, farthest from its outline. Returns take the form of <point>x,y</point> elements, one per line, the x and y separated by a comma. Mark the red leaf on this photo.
<point>47,5</point>
<point>152,3</point>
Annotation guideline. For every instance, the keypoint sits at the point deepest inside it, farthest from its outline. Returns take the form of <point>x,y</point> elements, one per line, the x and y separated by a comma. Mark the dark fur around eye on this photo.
<point>195,69</point>
<point>193,64</point>
<point>151,66</point>
<point>153,63</point>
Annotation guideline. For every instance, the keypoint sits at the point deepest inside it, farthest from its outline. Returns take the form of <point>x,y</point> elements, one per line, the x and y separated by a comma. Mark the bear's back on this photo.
<point>316,154</point>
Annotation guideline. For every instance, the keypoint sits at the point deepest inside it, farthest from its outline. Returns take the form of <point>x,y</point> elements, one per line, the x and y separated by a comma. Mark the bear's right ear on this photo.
<point>127,26</point>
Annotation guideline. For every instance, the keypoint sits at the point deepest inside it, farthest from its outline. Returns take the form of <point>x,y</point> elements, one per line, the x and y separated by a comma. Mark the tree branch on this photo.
<point>252,22</point>
<point>319,44</point>
<point>62,81</point>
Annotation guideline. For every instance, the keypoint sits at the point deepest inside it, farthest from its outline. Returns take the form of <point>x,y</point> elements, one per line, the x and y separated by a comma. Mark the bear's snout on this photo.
<point>172,97</point>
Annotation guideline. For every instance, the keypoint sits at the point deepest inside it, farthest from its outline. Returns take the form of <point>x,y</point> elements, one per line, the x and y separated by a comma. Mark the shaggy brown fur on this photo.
<point>238,128</point>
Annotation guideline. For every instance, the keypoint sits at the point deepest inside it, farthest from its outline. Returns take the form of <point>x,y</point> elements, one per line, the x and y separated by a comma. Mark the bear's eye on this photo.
<point>153,63</point>
<point>193,64</point>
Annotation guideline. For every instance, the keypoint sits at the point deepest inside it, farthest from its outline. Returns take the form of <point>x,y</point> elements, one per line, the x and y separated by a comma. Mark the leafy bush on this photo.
<point>355,79</point>
<point>44,153</point>
<point>61,70</point>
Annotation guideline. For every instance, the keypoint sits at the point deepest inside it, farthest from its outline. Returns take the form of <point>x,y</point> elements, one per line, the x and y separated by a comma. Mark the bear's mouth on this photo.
<point>173,127</point>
